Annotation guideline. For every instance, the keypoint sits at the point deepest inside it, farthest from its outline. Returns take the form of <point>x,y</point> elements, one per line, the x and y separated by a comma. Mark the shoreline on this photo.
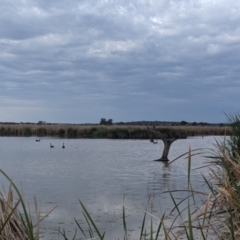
<point>105,131</point>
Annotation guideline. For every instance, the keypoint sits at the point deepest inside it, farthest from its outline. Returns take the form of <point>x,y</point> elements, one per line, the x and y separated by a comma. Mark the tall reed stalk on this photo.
<point>16,224</point>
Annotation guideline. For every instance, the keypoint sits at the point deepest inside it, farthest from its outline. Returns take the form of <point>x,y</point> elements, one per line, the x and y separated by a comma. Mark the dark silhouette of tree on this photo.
<point>184,123</point>
<point>110,121</point>
<point>168,136</point>
<point>103,121</point>
<point>41,122</point>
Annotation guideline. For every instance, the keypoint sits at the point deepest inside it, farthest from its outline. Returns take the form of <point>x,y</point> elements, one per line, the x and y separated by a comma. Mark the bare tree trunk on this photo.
<point>167,145</point>
<point>167,138</point>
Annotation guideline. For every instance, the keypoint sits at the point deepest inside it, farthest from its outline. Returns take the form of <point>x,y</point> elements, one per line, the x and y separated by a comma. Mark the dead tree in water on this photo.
<point>168,137</point>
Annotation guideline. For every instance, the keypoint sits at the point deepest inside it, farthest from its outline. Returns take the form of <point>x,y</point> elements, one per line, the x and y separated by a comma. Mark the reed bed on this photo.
<point>104,131</point>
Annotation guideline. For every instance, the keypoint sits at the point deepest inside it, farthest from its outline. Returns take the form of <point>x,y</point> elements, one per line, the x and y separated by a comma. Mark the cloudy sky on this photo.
<point>77,61</point>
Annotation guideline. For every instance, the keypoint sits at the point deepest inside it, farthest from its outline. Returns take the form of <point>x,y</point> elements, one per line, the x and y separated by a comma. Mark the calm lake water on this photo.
<point>99,173</point>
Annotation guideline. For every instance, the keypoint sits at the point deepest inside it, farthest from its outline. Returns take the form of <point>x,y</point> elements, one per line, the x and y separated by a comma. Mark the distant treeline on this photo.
<point>104,121</point>
<point>103,131</point>
<point>167,123</point>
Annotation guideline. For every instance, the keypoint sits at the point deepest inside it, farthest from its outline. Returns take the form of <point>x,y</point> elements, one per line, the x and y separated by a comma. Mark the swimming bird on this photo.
<point>51,146</point>
<point>63,146</point>
<point>153,141</point>
<point>38,140</point>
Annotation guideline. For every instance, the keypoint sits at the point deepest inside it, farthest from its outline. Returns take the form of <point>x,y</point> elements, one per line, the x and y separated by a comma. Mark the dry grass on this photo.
<point>83,131</point>
<point>15,218</point>
<point>219,216</point>
<point>11,226</point>
<point>223,204</point>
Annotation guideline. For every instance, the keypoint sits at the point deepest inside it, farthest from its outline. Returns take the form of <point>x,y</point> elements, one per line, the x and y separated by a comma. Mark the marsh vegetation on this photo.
<point>104,131</point>
<point>216,216</point>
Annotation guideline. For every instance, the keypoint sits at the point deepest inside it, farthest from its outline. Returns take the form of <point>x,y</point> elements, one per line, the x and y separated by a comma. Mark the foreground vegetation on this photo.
<point>103,131</point>
<point>218,217</point>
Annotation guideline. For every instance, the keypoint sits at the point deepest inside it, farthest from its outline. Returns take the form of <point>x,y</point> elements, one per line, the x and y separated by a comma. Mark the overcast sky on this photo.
<point>79,61</point>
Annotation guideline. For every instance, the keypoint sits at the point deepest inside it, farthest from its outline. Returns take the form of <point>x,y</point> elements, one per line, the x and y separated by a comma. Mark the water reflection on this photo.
<point>159,178</point>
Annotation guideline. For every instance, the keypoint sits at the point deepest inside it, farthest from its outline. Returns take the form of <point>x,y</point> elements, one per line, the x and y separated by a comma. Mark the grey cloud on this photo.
<point>113,55</point>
